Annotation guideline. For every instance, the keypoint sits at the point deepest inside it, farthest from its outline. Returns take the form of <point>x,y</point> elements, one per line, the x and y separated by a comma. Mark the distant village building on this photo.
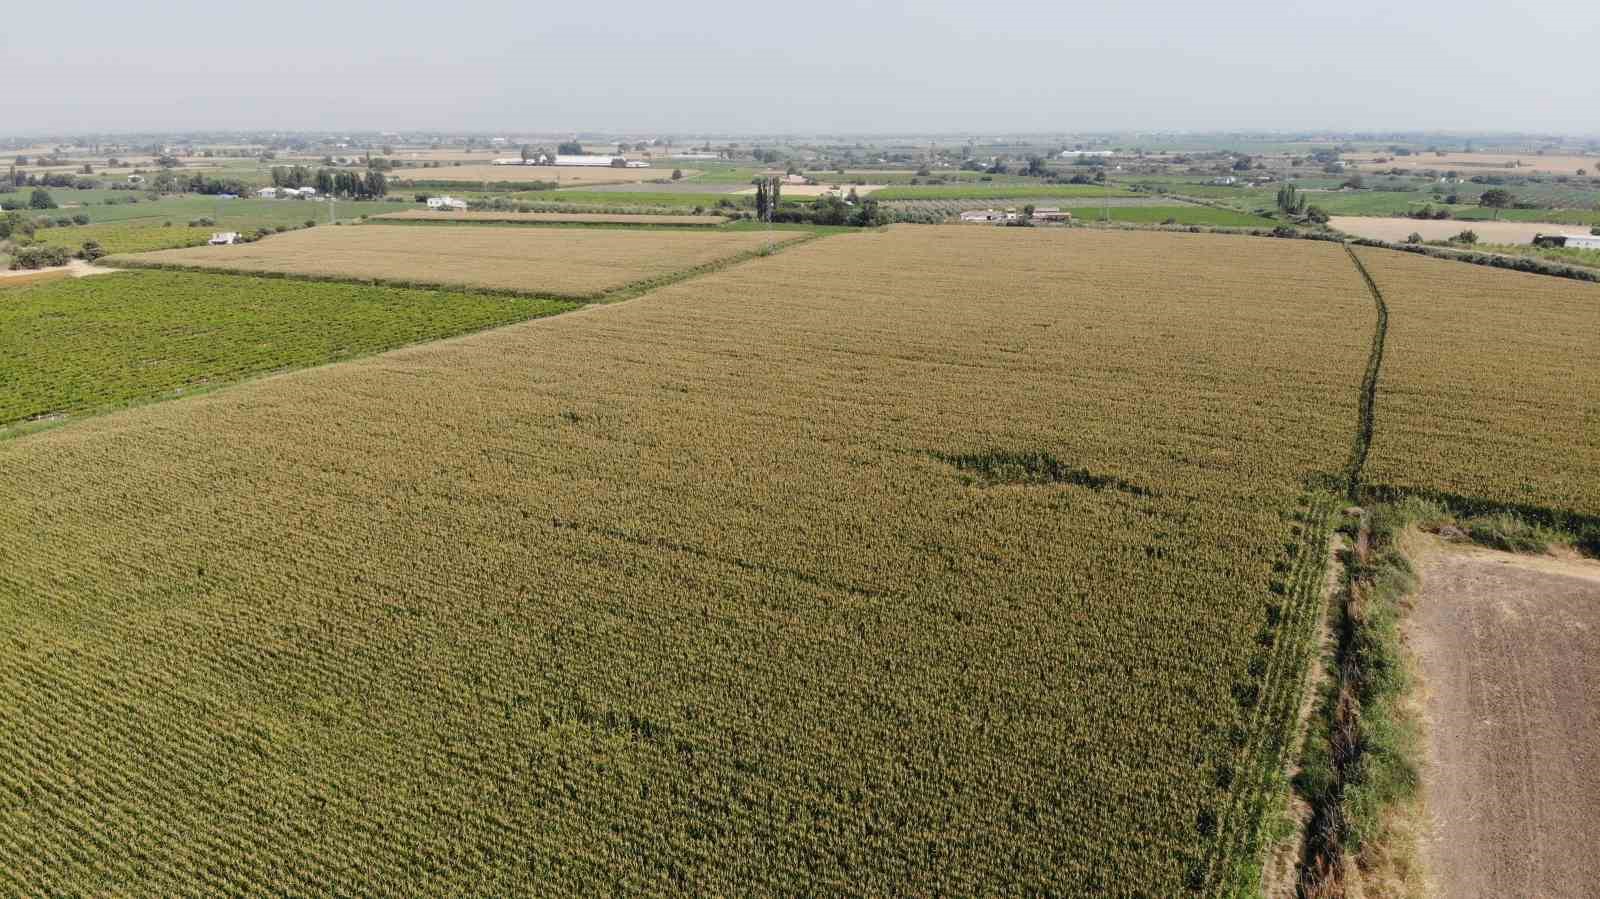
<point>983,216</point>
<point>224,238</point>
<point>1051,214</point>
<point>267,193</point>
<point>446,204</point>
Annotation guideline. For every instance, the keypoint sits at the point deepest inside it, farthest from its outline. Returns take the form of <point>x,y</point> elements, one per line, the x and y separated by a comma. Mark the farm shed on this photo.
<point>1583,241</point>
<point>1051,214</point>
<point>267,193</point>
<point>223,238</point>
<point>446,203</point>
<point>586,160</point>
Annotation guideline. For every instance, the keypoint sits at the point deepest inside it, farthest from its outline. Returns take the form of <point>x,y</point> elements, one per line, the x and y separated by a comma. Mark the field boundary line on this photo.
<point>20,429</point>
<point>1233,859</point>
<point>1369,384</point>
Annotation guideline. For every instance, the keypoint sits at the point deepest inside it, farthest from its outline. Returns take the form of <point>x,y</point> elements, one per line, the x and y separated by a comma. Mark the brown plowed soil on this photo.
<point>1509,650</point>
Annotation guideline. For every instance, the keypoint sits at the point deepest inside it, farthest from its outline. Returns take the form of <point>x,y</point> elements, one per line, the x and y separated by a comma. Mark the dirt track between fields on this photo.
<point>1509,651</point>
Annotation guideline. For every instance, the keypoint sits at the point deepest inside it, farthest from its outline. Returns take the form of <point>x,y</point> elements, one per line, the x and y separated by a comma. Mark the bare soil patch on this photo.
<point>75,268</point>
<point>1398,229</point>
<point>1482,163</point>
<point>1509,651</point>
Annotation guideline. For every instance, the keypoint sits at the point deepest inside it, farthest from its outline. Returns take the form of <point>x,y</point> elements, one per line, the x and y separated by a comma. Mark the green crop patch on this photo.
<point>74,346</point>
<point>986,191</point>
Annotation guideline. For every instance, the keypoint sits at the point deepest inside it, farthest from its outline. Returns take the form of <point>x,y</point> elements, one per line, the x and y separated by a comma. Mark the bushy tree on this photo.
<point>1496,198</point>
<point>570,148</point>
<point>41,199</point>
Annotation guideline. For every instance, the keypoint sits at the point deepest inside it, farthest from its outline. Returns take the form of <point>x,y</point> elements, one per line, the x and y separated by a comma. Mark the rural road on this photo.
<point>77,268</point>
<point>1509,650</point>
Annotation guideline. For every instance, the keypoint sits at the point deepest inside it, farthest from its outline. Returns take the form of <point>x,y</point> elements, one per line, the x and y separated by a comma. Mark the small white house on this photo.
<point>446,204</point>
<point>223,238</point>
<point>267,193</point>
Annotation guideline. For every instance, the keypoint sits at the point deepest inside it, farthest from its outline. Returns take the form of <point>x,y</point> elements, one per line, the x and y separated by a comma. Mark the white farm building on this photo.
<point>1583,241</point>
<point>446,204</point>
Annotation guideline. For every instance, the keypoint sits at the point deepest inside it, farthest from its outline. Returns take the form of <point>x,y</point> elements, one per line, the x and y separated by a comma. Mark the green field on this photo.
<point>80,345</point>
<point>985,191</point>
<point>125,237</point>
<point>1175,215</point>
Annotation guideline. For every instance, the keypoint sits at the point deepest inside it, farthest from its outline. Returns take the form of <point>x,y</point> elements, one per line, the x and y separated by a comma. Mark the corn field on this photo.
<point>1490,395</point>
<point>574,263</point>
<point>921,561</point>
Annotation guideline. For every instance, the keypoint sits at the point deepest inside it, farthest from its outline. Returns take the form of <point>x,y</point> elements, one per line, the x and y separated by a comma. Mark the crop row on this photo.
<point>682,595</point>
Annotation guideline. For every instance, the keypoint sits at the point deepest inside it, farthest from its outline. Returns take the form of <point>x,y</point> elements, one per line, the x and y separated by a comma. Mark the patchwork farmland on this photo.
<point>916,560</point>
<point>581,263</point>
<point>553,174</point>
<point>912,580</point>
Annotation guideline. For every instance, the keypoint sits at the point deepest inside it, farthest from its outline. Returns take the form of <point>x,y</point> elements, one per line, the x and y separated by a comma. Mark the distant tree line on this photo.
<point>332,182</point>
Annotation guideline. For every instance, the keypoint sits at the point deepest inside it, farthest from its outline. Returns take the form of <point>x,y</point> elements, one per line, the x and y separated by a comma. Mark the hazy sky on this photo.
<point>679,68</point>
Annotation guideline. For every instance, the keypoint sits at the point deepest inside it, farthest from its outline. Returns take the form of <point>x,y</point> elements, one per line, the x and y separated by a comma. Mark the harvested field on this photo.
<point>580,263</point>
<point>987,569</point>
<point>1396,230</point>
<point>577,218</point>
<point>1490,390</point>
<point>1509,651</point>
<point>70,347</point>
<point>565,175</point>
<point>1483,163</point>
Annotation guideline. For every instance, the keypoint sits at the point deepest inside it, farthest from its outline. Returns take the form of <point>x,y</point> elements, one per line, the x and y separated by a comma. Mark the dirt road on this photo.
<point>75,268</point>
<point>1509,648</point>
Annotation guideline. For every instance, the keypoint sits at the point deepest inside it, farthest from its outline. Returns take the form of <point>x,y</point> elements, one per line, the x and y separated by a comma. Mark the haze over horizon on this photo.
<point>931,67</point>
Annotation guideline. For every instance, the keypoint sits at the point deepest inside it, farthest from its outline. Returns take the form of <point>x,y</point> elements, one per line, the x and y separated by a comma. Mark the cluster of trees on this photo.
<point>1292,202</point>
<point>168,182</point>
<point>767,197</point>
<point>1496,199</point>
<point>16,178</point>
<point>333,182</point>
<point>570,148</point>
<point>1428,212</point>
